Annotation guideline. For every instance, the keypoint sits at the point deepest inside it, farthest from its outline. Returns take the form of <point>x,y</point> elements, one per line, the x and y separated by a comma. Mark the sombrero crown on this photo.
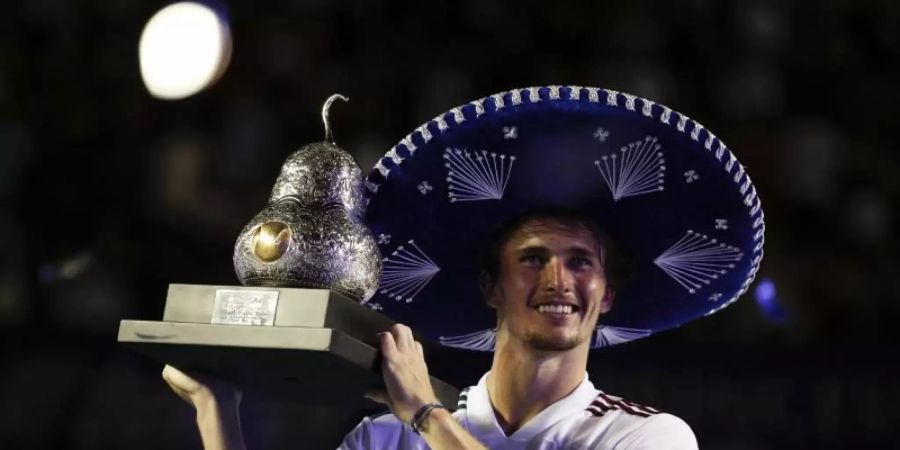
<point>662,184</point>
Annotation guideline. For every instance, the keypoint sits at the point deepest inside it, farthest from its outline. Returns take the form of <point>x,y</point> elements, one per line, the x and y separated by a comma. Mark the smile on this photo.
<point>556,308</point>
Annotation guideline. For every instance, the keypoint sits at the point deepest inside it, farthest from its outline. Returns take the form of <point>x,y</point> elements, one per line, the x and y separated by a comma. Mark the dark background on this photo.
<point>107,194</point>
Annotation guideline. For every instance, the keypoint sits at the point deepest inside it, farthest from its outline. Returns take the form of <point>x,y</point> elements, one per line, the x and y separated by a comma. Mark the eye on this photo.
<point>580,262</point>
<point>532,260</point>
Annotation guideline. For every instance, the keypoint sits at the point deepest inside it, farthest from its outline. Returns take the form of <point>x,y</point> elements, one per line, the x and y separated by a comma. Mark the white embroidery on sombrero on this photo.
<point>647,109</point>
<point>479,107</point>
<point>640,169</point>
<point>408,143</point>
<point>554,92</point>
<point>682,122</point>
<point>482,341</point>
<point>666,115</point>
<point>458,116</point>
<point>406,272</point>
<point>695,260</point>
<point>498,102</point>
<point>394,156</point>
<point>629,101</point>
<point>691,176</point>
<point>515,97</point>
<point>510,133</point>
<point>574,92</point>
<point>606,335</point>
<point>485,340</point>
<point>441,123</point>
<point>476,175</point>
<point>612,97</point>
<point>424,132</point>
<point>381,168</point>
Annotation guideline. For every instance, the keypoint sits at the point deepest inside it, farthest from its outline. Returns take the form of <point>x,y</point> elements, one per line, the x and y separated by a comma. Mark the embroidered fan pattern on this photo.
<point>486,339</point>
<point>406,271</point>
<point>479,341</point>
<point>695,260</point>
<point>476,175</point>
<point>638,168</point>
<point>606,335</point>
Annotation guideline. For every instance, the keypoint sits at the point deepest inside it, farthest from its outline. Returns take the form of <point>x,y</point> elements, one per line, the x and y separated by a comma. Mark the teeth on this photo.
<point>555,309</point>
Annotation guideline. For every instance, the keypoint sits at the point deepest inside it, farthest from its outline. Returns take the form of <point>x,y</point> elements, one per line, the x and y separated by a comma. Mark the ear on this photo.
<point>607,302</point>
<point>488,289</point>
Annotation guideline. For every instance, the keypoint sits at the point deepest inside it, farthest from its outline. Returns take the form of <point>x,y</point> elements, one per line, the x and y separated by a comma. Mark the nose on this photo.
<point>555,277</point>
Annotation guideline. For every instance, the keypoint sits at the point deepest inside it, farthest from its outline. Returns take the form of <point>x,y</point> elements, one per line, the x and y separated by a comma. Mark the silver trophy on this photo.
<point>297,328</point>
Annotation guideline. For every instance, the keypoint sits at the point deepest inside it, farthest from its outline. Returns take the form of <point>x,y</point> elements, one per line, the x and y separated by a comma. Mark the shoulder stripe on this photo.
<point>463,398</point>
<point>605,403</point>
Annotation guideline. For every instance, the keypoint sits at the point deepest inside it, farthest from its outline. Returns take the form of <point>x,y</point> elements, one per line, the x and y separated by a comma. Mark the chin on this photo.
<point>554,343</point>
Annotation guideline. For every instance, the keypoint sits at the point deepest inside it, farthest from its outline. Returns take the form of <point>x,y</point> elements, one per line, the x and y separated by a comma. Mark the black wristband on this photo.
<point>422,414</point>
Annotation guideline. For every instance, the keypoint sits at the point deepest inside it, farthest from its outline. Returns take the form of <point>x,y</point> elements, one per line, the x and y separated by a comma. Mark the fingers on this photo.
<point>178,378</point>
<point>179,382</point>
<point>398,337</point>
<point>402,336</point>
<point>388,344</point>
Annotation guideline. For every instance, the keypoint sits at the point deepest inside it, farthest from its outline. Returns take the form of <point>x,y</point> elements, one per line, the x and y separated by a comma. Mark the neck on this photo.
<point>524,381</point>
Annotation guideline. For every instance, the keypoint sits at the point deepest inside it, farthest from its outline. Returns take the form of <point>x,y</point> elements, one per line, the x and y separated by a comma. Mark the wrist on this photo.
<point>218,421</point>
<point>436,420</point>
<point>421,416</point>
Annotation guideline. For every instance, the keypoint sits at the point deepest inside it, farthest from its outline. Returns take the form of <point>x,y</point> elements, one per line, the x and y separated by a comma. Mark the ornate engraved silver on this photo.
<point>312,232</point>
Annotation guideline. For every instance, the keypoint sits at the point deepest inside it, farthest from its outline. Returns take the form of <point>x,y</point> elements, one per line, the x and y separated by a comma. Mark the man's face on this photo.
<point>551,287</point>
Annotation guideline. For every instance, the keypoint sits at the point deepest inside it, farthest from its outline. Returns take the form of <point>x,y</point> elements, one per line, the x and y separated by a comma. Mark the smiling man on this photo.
<point>552,164</point>
<point>546,276</point>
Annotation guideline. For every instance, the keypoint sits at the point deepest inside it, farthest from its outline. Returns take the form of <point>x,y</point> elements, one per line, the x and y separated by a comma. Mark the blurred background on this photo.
<point>109,191</point>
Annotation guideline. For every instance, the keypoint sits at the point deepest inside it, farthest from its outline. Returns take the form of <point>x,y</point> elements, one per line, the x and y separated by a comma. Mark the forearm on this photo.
<point>442,432</point>
<point>220,425</point>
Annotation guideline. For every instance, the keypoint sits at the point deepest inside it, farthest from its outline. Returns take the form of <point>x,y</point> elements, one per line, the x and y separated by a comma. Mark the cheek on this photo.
<point>595,290</point>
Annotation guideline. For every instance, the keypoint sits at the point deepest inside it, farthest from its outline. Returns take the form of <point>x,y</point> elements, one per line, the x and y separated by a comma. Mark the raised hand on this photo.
<point>405,374</point>
<point>216,402</point>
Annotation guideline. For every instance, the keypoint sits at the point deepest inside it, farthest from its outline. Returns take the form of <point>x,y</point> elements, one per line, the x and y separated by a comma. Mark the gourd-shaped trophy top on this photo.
<point>312,232</point>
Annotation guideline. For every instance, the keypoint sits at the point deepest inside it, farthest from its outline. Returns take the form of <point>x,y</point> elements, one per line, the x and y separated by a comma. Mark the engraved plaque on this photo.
<point>244,307</point>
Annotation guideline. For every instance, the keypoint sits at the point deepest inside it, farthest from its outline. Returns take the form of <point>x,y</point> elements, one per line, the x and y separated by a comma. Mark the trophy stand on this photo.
<point>296,330</point>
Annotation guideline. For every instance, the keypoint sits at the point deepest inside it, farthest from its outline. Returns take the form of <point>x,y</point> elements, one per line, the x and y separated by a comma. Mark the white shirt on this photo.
<point>585,419</point>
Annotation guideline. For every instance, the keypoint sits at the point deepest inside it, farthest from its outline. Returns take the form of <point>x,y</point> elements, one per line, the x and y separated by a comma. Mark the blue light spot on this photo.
<point>767,300</point>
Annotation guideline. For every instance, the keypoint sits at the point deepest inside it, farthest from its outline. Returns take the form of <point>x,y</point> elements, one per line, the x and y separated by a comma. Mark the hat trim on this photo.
<point>651,110</point>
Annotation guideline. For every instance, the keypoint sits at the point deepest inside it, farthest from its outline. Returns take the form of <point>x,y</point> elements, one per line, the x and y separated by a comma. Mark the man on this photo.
<point>666,186</point>
<point>548,284</point>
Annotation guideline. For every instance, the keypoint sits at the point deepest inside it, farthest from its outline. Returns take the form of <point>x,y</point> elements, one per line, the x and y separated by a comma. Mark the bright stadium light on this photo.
<point>184,48</point>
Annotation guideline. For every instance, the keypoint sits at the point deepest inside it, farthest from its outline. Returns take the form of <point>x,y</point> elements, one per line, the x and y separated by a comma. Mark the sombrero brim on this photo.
<point>664,186</point>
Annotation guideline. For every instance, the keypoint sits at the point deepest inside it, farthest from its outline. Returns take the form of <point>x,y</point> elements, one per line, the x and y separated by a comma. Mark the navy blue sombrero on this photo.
<point>663,185</point>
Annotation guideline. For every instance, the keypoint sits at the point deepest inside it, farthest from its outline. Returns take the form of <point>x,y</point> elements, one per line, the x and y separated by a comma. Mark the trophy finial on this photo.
<point>329,137</point>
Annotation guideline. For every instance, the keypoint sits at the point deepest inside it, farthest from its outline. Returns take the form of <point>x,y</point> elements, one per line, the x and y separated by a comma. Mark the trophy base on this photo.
<point>308,365</point>
<point>301,345</point>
